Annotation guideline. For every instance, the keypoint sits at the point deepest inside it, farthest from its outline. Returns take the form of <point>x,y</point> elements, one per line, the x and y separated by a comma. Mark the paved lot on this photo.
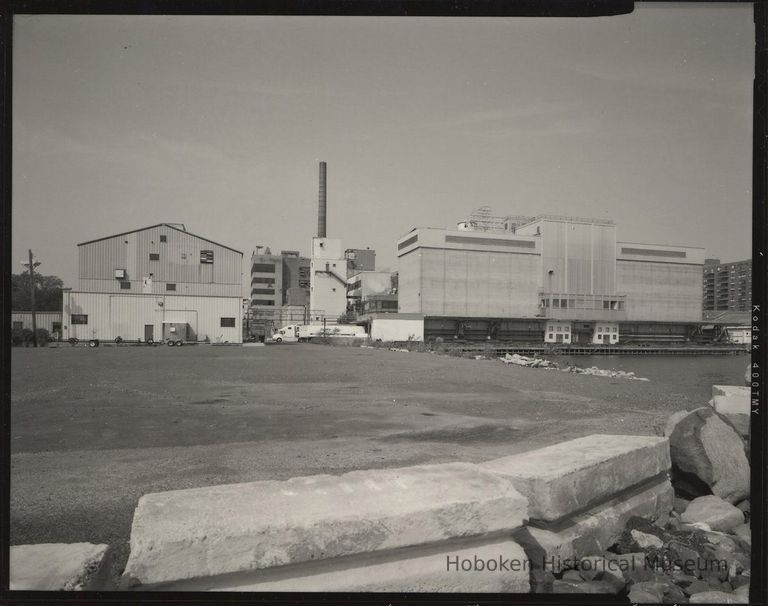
<point>94,429</point>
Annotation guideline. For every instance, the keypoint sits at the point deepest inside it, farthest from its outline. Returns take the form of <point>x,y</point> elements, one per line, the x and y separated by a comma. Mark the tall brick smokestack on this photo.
<point>321,211</point>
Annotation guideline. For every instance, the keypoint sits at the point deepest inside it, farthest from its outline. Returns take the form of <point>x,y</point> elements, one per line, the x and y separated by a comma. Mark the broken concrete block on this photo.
<point>708,448</point>
<point>735,408</point>
<point>232,528</point>
<point>59,567</point>
<point>570,476</point>
<point>730,390</point>
<point>557,546</point>
<point>715,512</point>
<point>498,566</point>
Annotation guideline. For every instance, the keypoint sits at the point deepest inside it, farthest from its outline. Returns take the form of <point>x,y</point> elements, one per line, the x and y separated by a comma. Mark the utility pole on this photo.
<point>31,265</point>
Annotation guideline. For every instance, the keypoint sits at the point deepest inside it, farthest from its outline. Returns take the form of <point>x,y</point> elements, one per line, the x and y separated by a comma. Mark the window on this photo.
<point>206,256</point>
<point>79,319</point>
<point>125,286</point>
<point>163,238</point>
<point>18,325</point>
<point>263,291</point>
<point>170,286</point>
<point>264,268</point>
<point>262,302</point>
<point>154,256</point>
<point>56,326</point>
<point>227,322</point>
<point>550,336</point>
<point>263,280</point>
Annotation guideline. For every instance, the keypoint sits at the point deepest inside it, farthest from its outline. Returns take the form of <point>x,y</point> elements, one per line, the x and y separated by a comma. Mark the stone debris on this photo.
<point>707,455</point>
<point>674,567</point>
<point>717,513</point>
<point>519,360</point>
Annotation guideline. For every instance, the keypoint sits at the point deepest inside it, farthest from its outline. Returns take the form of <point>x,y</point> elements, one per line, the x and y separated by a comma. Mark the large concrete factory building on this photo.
<point>549,278</point>
<point>159,282</point>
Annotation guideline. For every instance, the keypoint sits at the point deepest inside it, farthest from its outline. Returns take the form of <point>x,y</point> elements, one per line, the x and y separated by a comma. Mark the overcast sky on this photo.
<point>219,123</point>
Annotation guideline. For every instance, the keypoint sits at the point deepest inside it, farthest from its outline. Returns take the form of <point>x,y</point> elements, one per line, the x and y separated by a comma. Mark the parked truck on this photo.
<point>300,333</point>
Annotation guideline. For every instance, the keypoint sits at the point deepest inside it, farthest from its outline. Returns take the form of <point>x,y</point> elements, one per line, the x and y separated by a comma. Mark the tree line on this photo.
<point>47,292</point>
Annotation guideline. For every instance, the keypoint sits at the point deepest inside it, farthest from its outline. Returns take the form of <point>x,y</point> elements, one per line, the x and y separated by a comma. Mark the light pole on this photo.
<point>31,266</point>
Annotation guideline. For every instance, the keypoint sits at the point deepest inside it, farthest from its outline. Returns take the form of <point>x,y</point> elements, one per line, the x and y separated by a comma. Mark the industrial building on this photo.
<point>360,259</point>
<point>278,280</point>
<point>48,320</point>
<point>727,286</point>
<point>328,268</point>
<point>155,283</point>
<point>548,278</point>
<point>364,284</point>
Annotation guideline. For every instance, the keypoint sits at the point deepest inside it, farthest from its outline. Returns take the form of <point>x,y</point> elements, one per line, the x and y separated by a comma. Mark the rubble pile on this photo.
<point>701,555</point>
<point>519,360</point>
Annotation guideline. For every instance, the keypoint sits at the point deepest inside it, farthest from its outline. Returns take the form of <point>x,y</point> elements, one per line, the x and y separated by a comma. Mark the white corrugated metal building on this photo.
<point>49,320</point>
<point>157,282</point>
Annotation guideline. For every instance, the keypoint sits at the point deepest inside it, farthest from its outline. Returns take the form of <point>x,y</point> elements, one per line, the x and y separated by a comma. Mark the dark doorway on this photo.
<point>149,332</point>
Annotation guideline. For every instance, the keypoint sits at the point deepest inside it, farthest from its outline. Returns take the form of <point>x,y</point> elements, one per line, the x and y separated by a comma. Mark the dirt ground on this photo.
<point>94,429</point>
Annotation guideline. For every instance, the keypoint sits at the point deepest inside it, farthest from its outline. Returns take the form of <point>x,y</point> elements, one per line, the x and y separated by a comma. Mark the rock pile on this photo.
<point>519,360</point>
<point>679,563</point>
<point>701,555</point>
<point>598,372</point>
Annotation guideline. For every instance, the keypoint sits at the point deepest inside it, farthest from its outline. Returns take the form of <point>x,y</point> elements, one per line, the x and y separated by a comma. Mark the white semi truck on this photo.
<point>303,332</point>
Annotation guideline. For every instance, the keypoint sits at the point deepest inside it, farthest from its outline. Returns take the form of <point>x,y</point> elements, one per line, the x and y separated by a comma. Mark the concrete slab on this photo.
<point>731,390</point>
<point>570,476</point>
<point>232,528</point>
<point>558,546</point>
<point>495,565</point>
<point>59,567</point>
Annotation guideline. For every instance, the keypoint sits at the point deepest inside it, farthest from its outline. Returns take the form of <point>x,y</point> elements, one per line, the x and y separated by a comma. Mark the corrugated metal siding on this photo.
<point>581,255</point>
<point>43,319</point>
<point>112,315</point>
<point>179,263</point>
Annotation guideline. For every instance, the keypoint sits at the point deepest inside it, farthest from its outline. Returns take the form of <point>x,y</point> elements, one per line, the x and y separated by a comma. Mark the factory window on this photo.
<point>79,319</point>
<point>264,268</point>
<point>304,283</point>
<point>163,238</point>
<point>550,336</point>
<point>206,256</point>
<point>563,303</point>
<point>125,286</point>
<point>263,280</point>
<point>261,302</point>
<point>170,286</point>
<point>154,256</point>
<point>227,322</point>
<point>263,291</point>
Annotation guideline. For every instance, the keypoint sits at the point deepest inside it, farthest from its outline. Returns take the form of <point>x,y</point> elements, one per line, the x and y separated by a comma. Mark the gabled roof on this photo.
<point>133,231</point>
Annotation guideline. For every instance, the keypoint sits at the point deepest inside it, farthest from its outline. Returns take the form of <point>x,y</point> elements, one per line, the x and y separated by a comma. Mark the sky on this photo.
<point>121,122</point>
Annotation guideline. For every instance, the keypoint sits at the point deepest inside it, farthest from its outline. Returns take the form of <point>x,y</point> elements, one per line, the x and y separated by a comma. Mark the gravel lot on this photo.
<point>94,429</point>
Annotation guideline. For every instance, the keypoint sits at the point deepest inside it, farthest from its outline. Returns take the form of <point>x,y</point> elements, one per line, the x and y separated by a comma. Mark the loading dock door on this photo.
<point>149,332</point>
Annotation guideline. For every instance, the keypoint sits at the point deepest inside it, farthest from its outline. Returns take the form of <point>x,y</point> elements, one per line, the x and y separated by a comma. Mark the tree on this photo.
<point>47,293</point>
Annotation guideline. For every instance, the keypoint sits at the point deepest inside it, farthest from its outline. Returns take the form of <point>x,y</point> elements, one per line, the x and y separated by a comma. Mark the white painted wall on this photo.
<point>111,315</point>
<point>605,333</point>
<point>555,329</point>
<point>392,329</point>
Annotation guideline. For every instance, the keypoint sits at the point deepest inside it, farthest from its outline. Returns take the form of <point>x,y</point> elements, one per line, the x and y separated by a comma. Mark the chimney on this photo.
<point>321,209</point>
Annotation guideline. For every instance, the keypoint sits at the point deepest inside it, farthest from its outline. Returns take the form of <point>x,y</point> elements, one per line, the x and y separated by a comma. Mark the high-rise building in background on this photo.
<point>727,286</point>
